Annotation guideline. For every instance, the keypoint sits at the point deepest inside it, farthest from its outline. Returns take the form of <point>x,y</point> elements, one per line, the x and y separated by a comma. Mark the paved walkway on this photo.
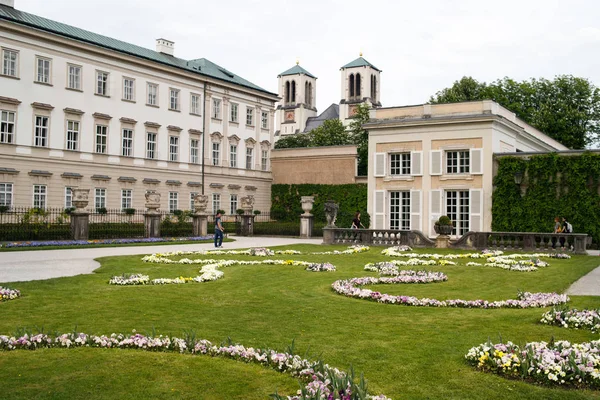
<point>16,266</point>
<point>588,285</point>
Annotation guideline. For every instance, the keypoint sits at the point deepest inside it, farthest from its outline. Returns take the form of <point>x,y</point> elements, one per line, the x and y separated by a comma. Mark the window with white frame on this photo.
<point>457,209</point>
<point>100,198</point>
<point>101,138</point>
<point>192,197</point>
<point>6,194</point>
<point>216,108</point>
<point>173,148</point>
<point>7,126</point>
<point>74,77</point>
<point>216,153</point>
<point>126,198</point>
<point>233,155</point>
<point>173,201</point>
<point>128,89</point>
<point>42,70</point>
<point>400,210</point>
<point>127,142</point>
<point>194,151</point>
<point>72,135</point>
<point>249,153</point>
<point>39,196</point>
<point>233,204</point>
<point>68,197</point>
<point>264,119</point>
<point>264,160</point>
<point>152,94</point>
<point>216,202</point>
<point>174,99</point>
<point>400,164</point>
<point>249,116</point>
<point>151,145</point>
<point>10,62</point>
<point>195,104</point>
<point>102,83</point>
<point>40,137</point>
<point>233,116</point>
<point>457,162</point>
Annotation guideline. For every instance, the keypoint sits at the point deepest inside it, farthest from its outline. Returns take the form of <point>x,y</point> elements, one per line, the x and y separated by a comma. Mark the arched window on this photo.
<point>287,92</point>
<point>374,87</point>
<point>306,94</point>
<point>351,85</point>
<point>310,94</point>
<point>293,91</point>
<point>357,85</point>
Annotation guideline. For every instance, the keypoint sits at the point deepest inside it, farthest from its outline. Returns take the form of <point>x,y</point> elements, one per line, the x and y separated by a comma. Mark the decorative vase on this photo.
<point>307,204</point>
<point>80,199</point>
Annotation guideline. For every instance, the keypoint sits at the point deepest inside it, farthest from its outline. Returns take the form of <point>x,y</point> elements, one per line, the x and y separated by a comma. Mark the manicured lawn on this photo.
<point>96,245</point>
<point>404,352</point>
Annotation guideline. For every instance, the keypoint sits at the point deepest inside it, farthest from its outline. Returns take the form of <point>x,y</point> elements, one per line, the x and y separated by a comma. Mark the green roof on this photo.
<point>360,62</point>
<point>200,66</point>
<point>297,69</point>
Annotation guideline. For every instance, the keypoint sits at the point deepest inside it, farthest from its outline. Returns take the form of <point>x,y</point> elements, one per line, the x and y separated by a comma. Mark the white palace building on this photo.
<point>84,110</point>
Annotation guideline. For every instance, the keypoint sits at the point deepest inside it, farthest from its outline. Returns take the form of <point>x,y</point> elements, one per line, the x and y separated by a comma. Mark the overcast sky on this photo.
<point>421,46</point>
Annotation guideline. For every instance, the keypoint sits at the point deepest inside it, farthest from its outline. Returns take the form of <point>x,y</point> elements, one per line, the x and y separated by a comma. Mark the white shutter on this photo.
<point>436,206</point>
<point>435,162</point>
<point>379,209</point>
<point>416,207</point>
<point>416,163</point>
<point>379,164</point>
<point>476,210</point>
<point>476,158</point>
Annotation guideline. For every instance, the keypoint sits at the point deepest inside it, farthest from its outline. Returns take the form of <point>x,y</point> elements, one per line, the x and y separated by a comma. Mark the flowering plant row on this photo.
<point>351,288</point>
<point>8,294</point>
<point>261,252</point>
<point>572,318</point>
<point>497,255</point>
<point>559,363</point>
<point>512,265</point>
<point>318,378</point>
<point>104,241</point>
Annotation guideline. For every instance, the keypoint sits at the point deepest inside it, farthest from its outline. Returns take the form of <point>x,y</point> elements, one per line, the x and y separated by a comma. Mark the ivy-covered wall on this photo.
<point>556,185</point>
<point>286,206</point>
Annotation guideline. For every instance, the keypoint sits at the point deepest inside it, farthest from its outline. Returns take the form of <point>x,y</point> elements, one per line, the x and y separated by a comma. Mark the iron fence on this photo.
<point>24,223</point>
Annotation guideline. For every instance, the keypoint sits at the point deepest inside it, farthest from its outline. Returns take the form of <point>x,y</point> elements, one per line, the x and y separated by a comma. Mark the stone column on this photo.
<point>200,218</point>
<point>80,219</point>
<point>152,215</point>
<point>307,219</point>
<point>247,217</point>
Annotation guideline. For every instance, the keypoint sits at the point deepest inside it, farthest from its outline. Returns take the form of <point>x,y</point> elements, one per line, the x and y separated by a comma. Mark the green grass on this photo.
<point>404,352</point>
<point>96,245</point>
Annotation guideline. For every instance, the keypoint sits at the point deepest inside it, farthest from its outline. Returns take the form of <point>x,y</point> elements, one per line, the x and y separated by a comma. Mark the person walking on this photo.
<point>218,231</point>
<point>356,224</point>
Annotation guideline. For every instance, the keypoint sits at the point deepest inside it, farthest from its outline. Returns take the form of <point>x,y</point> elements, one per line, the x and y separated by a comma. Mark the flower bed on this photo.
<point>559,363</point>
<point>7,294</point>
<point>314,375</point>
<point>260,252</point>
<point>103,241</point>
<point>572,318</point>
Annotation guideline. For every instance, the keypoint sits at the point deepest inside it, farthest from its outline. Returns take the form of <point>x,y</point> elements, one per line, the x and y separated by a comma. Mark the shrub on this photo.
<point>256,212</point>
<point>129,211</point>
<point>102,210</point>
<point>444,220</point>
<point>239,211</point>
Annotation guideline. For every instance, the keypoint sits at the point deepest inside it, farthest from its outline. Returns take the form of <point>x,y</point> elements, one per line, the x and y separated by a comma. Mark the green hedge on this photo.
<point>564,186</point>
<point>286,205</point>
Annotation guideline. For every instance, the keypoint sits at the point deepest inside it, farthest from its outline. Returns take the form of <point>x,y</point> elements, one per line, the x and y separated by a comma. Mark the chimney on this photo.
<point>162,45</point>
<point>10,3</point>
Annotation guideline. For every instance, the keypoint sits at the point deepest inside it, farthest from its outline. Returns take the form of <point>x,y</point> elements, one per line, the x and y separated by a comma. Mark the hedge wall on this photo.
<point>564,186</point>
<point>286,206</point>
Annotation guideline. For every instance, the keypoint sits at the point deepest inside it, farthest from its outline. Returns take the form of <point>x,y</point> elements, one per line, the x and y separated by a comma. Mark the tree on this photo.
<point>331,133</point>
<point>566,108</point>
<point>292,141</point>
<point>360,137</point>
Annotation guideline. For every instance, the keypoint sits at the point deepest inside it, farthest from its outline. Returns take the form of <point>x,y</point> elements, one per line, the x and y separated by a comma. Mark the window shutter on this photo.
<point>379,209</point>
<point>476,210</point>
<point>416,207</point>
<point>476,158</point>
<point>379,164</point>
<point>435,208</point>
<point>435,165</point>
<point>416,163</point>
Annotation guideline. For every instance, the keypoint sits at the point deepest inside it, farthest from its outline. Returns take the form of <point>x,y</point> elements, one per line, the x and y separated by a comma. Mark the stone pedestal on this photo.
<point>80,222</point>
<point>247,228</point>
<point>200,224</point>
<point>306,225</point>
<point>152,225</point>
<point>328,235</point>
<point>442,242</point>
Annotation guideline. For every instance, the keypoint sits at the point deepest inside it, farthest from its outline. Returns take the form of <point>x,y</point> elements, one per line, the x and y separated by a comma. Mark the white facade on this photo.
<point>83,109</point>
<point>359,84</point>
<point>298,92</point>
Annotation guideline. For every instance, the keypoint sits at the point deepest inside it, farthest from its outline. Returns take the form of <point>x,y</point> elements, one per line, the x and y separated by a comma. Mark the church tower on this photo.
<point>360,84</point>
<point>297,89</point>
